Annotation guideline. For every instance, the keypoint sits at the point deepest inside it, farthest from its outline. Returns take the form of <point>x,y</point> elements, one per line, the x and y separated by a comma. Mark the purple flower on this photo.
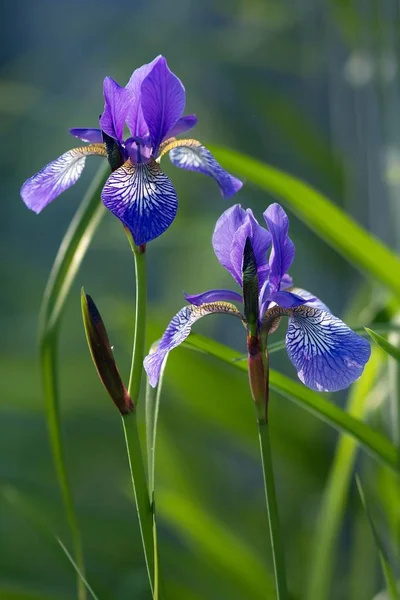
<point>327,355</point>
<point>137,192</point>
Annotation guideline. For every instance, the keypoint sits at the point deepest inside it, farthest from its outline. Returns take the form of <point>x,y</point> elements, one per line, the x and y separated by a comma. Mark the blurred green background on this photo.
<point>309,86</point>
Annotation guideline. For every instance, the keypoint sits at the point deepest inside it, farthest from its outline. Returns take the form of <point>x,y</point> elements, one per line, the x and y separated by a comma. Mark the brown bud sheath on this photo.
<point>258,378</point>
<point>102,355</point>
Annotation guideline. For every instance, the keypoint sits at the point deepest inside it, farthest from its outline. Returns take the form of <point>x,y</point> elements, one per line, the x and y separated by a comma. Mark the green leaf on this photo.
<point>335,498</point>
<point>374,442</point>
<point>384,344</point>
<point>66,265</point>
<point>335,227</point>
<point>78,571</point>
<point>386,567</point>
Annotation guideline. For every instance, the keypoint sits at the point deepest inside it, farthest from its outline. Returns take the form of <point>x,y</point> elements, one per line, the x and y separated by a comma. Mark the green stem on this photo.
<point>272,508</point>
<point>66,265</point>
<point>140,321</point>
<point>140,490</point>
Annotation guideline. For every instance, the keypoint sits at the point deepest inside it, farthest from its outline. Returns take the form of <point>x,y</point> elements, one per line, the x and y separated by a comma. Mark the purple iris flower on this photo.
<point>151,106</point>
<point>327,355</point>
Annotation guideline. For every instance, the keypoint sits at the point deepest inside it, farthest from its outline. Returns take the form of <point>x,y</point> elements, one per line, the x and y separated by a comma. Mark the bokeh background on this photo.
<point>308,86</point>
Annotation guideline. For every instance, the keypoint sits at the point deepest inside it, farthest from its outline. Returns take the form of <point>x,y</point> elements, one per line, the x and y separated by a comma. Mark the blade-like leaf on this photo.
<point>384,344</point>
<point>374,442</point>
<point>386,567</point>
<point>320,214</point>
<point>334,500</point>
<point>66,265</point>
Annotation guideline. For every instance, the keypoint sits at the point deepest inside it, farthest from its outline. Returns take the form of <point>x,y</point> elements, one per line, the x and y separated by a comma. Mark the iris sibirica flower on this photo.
<point>151,105</point>
<point>327,355</point>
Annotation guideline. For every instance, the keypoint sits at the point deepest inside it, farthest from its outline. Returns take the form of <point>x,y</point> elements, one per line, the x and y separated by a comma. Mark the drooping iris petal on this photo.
<point>56,177</point>
<point>327,355</point>
<point>163,101</point>
<point>87,135</point>
<point>260,241</point>
<point>143,198</point>
<point>178,330</point>
<point>192,156</point>
<point>282,253</point>
<point>135,119</point>
<point>117,101</point>
<point>182,125</point>
<point>214,296</point>
<point>287,299</point>
<point>225,229</point>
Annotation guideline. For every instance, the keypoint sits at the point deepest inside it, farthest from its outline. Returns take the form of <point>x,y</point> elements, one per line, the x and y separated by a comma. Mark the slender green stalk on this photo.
<point>335,496</point>
<point>140,490</point>
<point>272,508</point>
<point>66,265</point>
<point>135,377</point>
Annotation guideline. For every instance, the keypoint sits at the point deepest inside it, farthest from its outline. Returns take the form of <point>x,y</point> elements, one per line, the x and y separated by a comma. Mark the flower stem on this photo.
<point>139,254</point>
<point>140,490</point>
<point>272,508</point>
<point>140,487</point>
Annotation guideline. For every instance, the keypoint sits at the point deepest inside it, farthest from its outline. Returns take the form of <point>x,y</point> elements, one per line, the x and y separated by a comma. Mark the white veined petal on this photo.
<point>178,330</point>
<point>327,355</point>
<point>143,198</point>
<point>56,177</point>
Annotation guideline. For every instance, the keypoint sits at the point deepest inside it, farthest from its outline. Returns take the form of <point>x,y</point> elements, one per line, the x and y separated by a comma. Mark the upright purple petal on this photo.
<point>287,299</point>
<point>93,136</point>
<point>178,330</point>
<point>143,198</point>
<point>163,101</point>
<point>214,296</point>
<point>56,177</point>
<point>282,253</point>
<point>182,125</point>
<point>192,156</point>
<point>224,232</point>
<point>117,102</point>
<point>311,300</point>
<point>135,119</point>
<point>327,355</point>
<point>260,240</point>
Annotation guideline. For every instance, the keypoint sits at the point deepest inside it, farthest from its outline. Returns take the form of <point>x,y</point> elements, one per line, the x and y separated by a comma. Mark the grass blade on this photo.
<point>68,260</point>
<point>334,500</point>
<point>386,567</point>
<point>320,214</point>
<point>80,575</point>
<point>374,442</point>
<point>384,344</point>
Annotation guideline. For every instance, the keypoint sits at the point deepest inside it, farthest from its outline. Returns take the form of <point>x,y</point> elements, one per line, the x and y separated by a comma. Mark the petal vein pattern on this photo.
<point>193,156</point>
<point>327,355</point>
<point>56,177</point>
<point>143,198</point>
<point>178,330</point>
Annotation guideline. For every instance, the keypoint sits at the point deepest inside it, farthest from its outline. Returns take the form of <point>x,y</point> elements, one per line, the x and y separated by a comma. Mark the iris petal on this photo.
<point>87,135</point>
<point>117,101</point>
<point>135,119</point>
<point>178,330</point>
<point>287,299</point>
<point>214,296</point>
<point>192,156</point>
<point>260,241</point>
<point>282,253</point>
<point>163,101</point>
<point>311,300</point>
<point>56,177</point>
<point>224,232</point>
<point>182,125</point>
<point>327,355</point>
<point>143,198</point>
